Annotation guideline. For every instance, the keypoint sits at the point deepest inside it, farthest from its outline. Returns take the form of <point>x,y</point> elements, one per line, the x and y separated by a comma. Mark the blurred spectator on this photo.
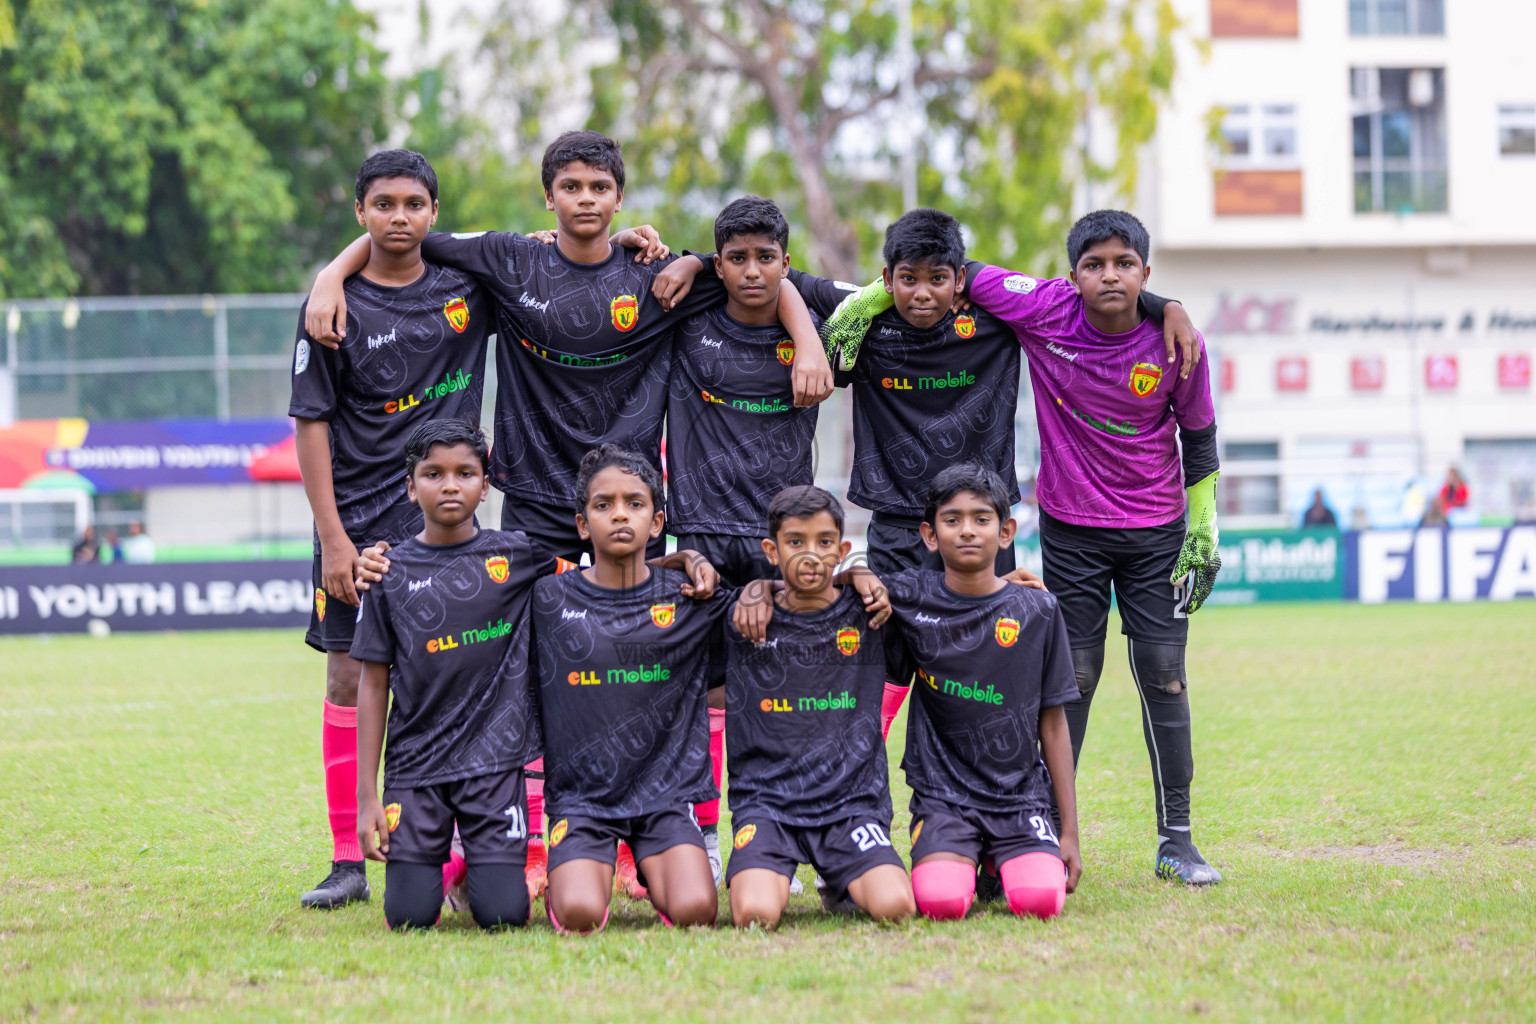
<point>87,549</point>
<point>1028,516</point>
<point>113,548</point>
<point>1318,513</point>
<point>138,548</point>
<point>1435,515</point>
<point>1453,493</point>
<point>1359,519</point>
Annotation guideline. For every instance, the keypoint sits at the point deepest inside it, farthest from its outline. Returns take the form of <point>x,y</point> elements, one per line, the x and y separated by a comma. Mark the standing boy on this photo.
<point>414,350</point>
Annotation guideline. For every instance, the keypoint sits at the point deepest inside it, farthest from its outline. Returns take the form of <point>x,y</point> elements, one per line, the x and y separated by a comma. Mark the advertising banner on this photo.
<point>1279,565</point>
<point>1431,565</point>
<point>187,595</point>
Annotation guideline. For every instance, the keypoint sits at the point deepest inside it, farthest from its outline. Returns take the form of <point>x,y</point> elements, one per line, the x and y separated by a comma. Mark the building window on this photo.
<point>1396,17</point>
<point>1517,130</point>
<point>1399,139</point>
<point>1259,136</point>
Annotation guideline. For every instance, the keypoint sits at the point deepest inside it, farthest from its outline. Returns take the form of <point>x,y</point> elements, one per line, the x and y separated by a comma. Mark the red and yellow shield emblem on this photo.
<point>917,830</point>
<point>557,833</point>
<point>392,816</point>
<point>320,604</point>
<point>625,310</point>
<point>848,640</point>
<point>965,326</point>
<point>457,312</point>
<point>663,614</point>
<point>1007,631</point>
<point>496,568</point>
<point>744,835</point>
<point>1144,379</point>
<point>786,351</point>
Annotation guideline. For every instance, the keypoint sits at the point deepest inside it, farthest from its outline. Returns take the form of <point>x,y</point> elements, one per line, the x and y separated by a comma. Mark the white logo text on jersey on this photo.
<point>301,357</point>
<point>416,585</point>
<point>380,340</point>
<point>930,619</point>
<point>532,303</point>
<point>1070,357</point>
<point>569,614</point>
<point>1020,283</point>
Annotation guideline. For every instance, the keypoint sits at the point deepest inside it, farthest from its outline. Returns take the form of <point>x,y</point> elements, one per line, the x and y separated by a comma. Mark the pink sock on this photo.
<point>338,747</point>
<point>535,797</point>
<point>944,889</point>
<point>1035,884</point>
<point>889,705</point>
<point>454,871</point>
<point>708,812</point>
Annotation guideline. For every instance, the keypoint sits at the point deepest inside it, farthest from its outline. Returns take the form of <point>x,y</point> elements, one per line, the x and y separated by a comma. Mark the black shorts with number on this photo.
<point>839,852</point>
<point>1081,563</point>
<point>554,529</point>
<point>738,560</point>
<point>895,544</point>
<point>491,811</point>
<point>331,620</point>
<point>575,837</point>
<point>983,836</point>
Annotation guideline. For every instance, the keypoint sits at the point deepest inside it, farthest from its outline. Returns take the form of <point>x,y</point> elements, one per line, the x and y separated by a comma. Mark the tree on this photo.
<point>180,145</point>
<point>792,98</point>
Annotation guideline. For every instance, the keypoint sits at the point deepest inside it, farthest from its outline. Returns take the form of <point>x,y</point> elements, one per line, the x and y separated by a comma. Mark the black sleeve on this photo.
<point>1151,306</point>
<point>374,638</point>
<point>1058,679</point>
<point>972,268</point>
<point>481,253</point>
<point>316,376</point>
<point>1199,452</point>
<point>821,294</point>
<point>708,290</point>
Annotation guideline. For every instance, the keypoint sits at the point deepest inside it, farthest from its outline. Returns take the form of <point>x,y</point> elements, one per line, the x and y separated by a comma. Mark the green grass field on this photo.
<point>1365,780</point>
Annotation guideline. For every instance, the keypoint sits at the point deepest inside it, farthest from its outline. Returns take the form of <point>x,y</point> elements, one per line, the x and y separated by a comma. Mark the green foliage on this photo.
<point>181,145</point>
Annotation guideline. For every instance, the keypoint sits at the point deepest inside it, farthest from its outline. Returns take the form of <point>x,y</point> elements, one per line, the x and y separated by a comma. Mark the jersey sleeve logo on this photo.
<point>558,833</point>
<point>786,351</point>
<point>319,604</point>
<point>965,326</point>
<point>848,640</point>
<point>625,310</point>
<point>744,835</point>
<point>1007,631</point>
<point>663,614</point>
<point>457,312</point>
<point>496,568</point>
<point>392,816</point>
<point>1020,284</point>
<point>1144,379</point>
<point>301,357</point>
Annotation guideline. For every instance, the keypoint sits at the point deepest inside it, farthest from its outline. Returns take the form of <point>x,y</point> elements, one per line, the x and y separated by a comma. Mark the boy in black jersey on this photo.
<point>415,351</point>
<point>987,739</point>
<point>447,632</point>
<point>809,781</point>
<point>622,668</point>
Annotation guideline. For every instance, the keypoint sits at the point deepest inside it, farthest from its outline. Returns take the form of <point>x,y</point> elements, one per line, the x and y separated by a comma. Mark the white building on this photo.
<point>1344,196</point>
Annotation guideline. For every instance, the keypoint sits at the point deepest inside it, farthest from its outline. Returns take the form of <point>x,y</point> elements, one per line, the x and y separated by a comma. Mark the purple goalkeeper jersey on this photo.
<point>1107,405</point>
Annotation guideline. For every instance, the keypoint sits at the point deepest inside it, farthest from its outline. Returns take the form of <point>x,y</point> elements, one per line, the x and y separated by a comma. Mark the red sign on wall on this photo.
<point>1440,372</point>
<point>1367,373</point>
<point>1291,373</point>
<point>1514,370</point>
<point>1228,375</point>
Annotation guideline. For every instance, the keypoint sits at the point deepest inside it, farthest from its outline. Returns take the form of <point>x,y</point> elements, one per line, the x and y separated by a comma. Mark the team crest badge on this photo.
<point>1144,379</point>
<point>319,604</point>
<point>557,833</point>
<point>392,816</point>
<point>786,351</point>
<point>744,835</point>
<point>496,568</point>
<point>965,326</point>
<point>663,614</point>
<point>1007,631</point>
<point>848,640</point>
<point>625,312</point>
<point>457,312</point>
<point>917,830</point>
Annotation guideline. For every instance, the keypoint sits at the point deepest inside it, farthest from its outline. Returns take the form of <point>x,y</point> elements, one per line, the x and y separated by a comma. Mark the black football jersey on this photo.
<point>623,676</point>
<point>924,399</point>
<point>986,667</point>
<point>734,436</point>
<point>802,724</point>
<point>410,354</point>
<point>583,356</point>
<point>451,621</point>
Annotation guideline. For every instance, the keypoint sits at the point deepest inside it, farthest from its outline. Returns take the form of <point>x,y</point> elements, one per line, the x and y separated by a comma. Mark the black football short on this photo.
<point>491,810</point>
<point>331,620</point>
<point>738,560</point>
<point>1082,562</point>
<point>573,837</point>
<point>895,544</point>
<point>553,528</point>
<point>942,827</point>
<point>840,852</point>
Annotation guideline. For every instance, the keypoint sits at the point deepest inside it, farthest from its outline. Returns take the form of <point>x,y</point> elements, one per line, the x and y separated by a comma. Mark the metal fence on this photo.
<point>147,357</point>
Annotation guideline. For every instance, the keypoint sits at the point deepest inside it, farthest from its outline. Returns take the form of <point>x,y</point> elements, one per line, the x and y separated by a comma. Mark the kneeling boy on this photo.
<point>808,775</point>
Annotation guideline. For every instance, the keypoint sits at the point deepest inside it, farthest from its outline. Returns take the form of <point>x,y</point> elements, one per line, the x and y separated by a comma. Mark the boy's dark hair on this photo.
<point>591,148</point>
<point>395,163</point>
<point>445,433</point>
<point>802,502</point>
<point>968,476</point>
<point>1101,226</point>
<point>925,236</point>
<point>603,456</point>
<point>751,215</point>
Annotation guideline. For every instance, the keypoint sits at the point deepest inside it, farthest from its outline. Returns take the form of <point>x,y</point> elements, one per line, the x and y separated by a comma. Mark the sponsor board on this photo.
<point>1279,565</point>
<point>1433,565</point>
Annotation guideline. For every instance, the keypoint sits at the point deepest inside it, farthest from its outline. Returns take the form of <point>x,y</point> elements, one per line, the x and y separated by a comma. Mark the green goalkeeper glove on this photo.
<point>1200,558</point>
<point>843,332</point>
